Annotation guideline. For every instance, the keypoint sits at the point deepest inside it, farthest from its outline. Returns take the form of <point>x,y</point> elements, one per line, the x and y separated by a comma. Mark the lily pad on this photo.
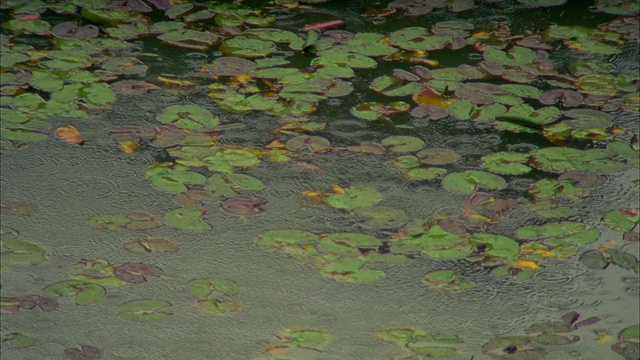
<point>622,220</point>
<point>206,288</point>
<point>278,238</point>
<point>144,310</point>
<point>380,217</point>
<point>246,47</point>
<point>403,143</point>
<point>245,205</point>
<point>148,246</point>
<point>84,352</point>
<point>187,219</point>
<point>445,279</point>
<point>135,273</point>
<point>355,197</point>
<point>506,163</point>
<point>557,234</point>
<point>189,117</point>
<point>20,252</point>
<point>467,182</point>
<point>308,143</point>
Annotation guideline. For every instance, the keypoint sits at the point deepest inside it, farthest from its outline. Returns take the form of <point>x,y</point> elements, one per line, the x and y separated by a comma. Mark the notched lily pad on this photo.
<point>144,310</point>
<point>557,234</point>
<point>20,252</point>
<point>355,197</point>
<point>380,217</point>
<point>84,352</point>
<point>187,219</point>
<point>403,143</point>
<point>135,273</point>
<point>445,279</point>
<point>189,117</point>
<point>245,205</point>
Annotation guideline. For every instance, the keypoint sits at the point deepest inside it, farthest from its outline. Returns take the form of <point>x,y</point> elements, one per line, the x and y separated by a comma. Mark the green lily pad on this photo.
<point>562,159</point>
<point>354,240</point>
<point>246,47</point>
<point>190,117</point>
<point>425,174</point>
<point>379,111</point>
<point>557,234</point>
<point>243,181</point>
<point>17,340</point>
<point>173,179</point>
<point>516,56</point>
<point>355,197</point>
<point>215,306</point>
<point>125,66</point>
<point>506,163</point>
<point>205,288</point>
<point>622,220</point>
<point>83,293</point>
<point>305,338</point>
<point>351,60</point>
<point>145,310</point>
<point>467,182</point>
<point>543,3</point>
<point>308,143</point>
<point>187,219</point>
<point>421,342</point>
<point>19,252</point>
<point>593,259</point>
<point>190,39</point>
<point>403,143</point>
<point>380,217</point>
<point>586,119</point>
<point>279,238</point>
<point>445,279</point>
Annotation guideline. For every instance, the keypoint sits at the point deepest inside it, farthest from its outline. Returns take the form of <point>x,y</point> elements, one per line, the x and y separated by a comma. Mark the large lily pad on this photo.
<point>187,219</point>
<point>20,252</point>
<point>557,234</point>
<point>189,117</point>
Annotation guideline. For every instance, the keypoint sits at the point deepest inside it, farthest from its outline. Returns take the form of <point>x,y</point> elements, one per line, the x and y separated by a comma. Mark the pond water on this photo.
<point>458,180</point>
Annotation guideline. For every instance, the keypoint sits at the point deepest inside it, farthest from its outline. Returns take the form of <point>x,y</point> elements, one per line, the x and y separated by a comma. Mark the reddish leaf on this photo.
<point>245,205</point>
<point>84,353</point>
<point>135,273</point>
<point>323,25</point>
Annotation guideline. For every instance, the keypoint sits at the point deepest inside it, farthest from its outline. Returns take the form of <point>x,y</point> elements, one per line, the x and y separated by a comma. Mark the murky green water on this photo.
<point>70,184</point>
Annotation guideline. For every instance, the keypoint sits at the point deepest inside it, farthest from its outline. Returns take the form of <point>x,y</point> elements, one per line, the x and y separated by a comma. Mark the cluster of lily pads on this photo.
<point>514,86</point>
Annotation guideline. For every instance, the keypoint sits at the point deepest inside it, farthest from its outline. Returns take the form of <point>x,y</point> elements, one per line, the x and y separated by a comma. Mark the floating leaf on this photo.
<point>186,219</point>
<point>467,182</point>
<point>445,279</point>
<point>557,234</point>
<point>403,143</point>
<point>355,197</point>
<point>205,288</point>
<point>17,340</point>
<point>308,143</point>
<point>245,205</point>
<point>506,163</point>
<point>437,156</point>
<point>146,310</point>
<point>135,273</point>
<point>278,238</point>
<point>70,134</point>
<point>191,117</point>
<point>85,352</point>
<point>246,47</point>
<point>147,246</point>
<point>19,252</point>
<point>380,217</point>
<point>622,220</point>
<point>562,159</point>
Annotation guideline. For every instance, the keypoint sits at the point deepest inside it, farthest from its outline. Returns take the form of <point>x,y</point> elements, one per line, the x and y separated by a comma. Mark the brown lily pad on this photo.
<point>85,352</point>
<point>245,205</point>
<point>17,208</point>
<point>584,179</point>
<point>147,246</point>
<point>135,273</point>
<point>437,156</point>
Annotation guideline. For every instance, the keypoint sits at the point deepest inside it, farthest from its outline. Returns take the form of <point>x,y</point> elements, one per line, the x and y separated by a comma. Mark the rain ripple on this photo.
<point>87,186</point>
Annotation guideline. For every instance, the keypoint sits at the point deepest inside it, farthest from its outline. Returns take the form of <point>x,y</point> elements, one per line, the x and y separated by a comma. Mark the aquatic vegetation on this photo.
<point>260,91</point>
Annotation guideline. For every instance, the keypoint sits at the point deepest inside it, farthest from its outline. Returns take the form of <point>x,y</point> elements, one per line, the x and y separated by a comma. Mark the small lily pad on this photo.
<point>84,352</point>
<point>380,217</point>
<point>312,144</point>
<point>437,156</point>
<point>245,205</point>
<point>145,310</point>
<point>467,182</point>
<point>186,219</point>
<point>190,117</point>
<point>506,163</point>
<point>403,143</point>
<point>355,197</point>
<point>147,246</point>
<point>445,279</point>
